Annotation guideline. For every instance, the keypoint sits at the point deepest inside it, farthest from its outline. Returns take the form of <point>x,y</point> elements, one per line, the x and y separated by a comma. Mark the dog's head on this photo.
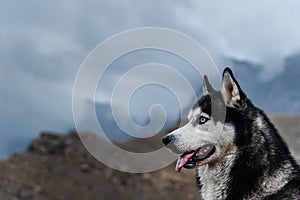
<point>209,134</point>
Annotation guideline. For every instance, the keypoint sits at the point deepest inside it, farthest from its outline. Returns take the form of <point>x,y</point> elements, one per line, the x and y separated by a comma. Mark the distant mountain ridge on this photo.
<point>278,95</point>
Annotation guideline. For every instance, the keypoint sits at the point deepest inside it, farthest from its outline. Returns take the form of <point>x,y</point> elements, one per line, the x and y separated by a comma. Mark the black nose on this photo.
<point>167,139</point>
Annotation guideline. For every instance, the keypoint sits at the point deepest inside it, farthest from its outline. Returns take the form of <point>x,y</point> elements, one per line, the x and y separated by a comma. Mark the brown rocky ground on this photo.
<point>58,167</point>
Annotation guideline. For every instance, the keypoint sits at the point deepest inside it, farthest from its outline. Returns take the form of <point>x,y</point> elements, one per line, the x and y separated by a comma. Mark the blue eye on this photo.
<point>203,120</point>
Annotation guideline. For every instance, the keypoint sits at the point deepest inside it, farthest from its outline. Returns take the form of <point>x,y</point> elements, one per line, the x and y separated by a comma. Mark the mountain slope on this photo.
<point>58,167</point>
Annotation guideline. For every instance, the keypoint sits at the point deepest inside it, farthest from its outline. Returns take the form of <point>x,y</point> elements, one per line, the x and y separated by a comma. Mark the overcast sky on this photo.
<point>42,44</point>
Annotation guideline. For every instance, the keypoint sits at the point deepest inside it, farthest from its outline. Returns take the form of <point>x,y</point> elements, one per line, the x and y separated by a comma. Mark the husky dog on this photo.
<point>237,152</point>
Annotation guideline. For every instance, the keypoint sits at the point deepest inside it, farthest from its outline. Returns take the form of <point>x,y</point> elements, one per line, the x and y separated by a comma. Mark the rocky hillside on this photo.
<point>57,167</point>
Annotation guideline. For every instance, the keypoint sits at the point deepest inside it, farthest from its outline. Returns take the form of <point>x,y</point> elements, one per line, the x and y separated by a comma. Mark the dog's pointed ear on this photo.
<point>207,88</point>
<point>232,94</point>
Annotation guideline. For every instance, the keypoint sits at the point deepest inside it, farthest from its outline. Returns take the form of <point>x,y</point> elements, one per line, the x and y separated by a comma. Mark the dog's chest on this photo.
<point>214,180</point>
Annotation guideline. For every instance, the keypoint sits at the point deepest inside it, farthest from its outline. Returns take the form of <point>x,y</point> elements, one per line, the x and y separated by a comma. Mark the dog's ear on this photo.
<point>207,88</point>
<point>232,94</point>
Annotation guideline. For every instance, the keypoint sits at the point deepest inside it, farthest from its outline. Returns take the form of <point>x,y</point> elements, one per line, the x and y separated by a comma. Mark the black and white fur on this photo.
<point>250,161</point>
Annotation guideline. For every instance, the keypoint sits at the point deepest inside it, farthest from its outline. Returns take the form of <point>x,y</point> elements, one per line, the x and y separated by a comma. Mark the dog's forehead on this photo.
<point>194,112</point>
<point>202,106</point>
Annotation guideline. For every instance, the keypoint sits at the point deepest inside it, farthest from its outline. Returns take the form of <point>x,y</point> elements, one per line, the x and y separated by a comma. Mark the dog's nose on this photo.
<point>167,139</point>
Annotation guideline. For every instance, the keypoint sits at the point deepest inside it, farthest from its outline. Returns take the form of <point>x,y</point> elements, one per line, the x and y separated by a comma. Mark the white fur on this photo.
<point>230,90</point>
<point>214,176</point>
<point>193,135</point>
<point>259,122</point>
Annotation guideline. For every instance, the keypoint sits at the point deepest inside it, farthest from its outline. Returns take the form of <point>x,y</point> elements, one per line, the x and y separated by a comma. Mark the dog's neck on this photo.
<point>214,178</point>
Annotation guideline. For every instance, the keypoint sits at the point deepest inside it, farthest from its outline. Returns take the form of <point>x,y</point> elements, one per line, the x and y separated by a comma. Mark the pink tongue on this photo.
<point>183,160</point>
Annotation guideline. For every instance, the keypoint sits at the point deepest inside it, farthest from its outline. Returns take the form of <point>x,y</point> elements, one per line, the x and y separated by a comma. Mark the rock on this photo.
<point>25,194</point>
<point>85,167</point>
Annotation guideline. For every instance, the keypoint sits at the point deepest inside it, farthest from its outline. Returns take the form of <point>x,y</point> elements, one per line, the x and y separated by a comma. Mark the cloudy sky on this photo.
<point>43,43</point>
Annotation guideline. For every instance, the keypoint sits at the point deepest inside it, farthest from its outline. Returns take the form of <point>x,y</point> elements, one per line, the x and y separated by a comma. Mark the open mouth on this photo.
<point>191,159</point>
